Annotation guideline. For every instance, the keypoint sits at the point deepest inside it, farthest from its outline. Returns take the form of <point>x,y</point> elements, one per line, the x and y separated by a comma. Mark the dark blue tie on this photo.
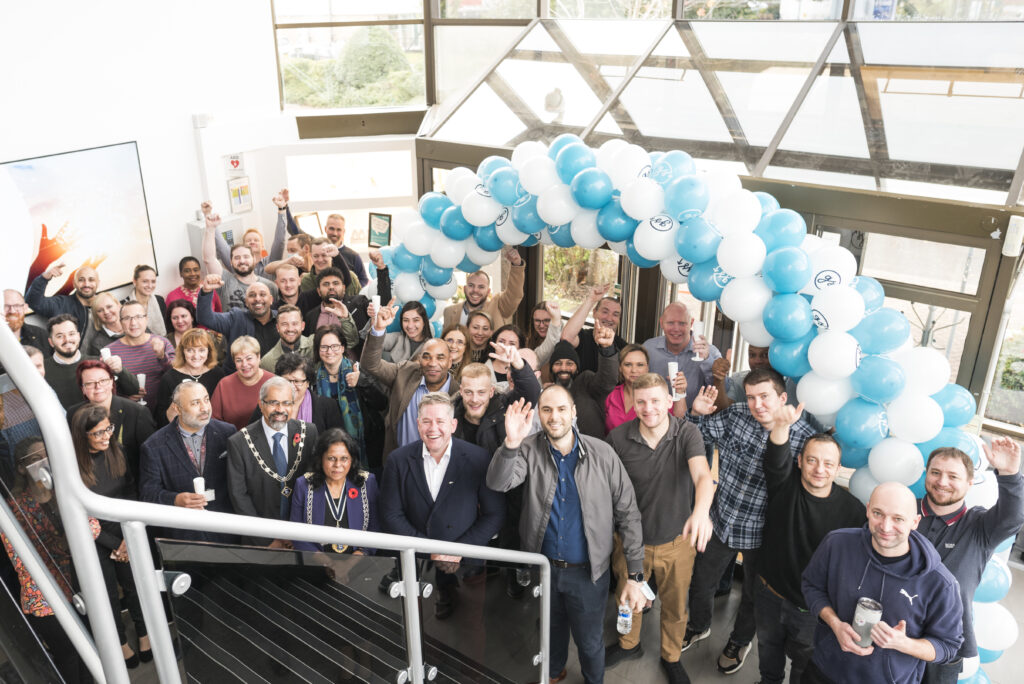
<point>281,463</point>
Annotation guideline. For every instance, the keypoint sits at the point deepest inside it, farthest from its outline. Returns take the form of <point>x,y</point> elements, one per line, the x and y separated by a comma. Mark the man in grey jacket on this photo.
<point>577,494</point>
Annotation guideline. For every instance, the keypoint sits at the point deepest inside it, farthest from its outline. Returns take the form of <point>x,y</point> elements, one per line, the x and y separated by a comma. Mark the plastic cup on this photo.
<point>199,484</point>
<point>673,369</point>
<point>866,616</point>
<point>104,353</point>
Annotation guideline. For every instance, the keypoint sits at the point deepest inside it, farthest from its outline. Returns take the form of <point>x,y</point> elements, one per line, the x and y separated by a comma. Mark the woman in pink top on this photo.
<point>618,406</point>
<point>238,394</point>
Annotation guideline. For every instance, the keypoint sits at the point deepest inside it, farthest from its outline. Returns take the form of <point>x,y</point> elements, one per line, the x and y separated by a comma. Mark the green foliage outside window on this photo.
<point>569,273</point>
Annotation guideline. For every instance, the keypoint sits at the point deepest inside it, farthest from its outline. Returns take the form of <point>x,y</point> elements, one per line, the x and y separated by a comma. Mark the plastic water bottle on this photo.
<point>624,623</point>
<point>523,577</point>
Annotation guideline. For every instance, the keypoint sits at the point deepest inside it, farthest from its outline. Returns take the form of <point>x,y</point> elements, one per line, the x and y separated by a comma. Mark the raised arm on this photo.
<point>547,347</point>
<point>571,331</point>
<point>1005,518</point>
<point>508,467</point>
<point>210,246</point>
<point>205,315</point>
<point>720,376</point>
<point>370,360</point>
<point>36,297</point>
<point>509,298</point>
<point>607,363</point>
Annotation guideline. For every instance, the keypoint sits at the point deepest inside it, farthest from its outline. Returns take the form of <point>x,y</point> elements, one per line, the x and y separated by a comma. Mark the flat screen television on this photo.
<point>86,207</point>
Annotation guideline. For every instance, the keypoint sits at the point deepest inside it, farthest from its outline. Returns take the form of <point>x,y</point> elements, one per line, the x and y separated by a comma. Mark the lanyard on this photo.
<point>201,461</point>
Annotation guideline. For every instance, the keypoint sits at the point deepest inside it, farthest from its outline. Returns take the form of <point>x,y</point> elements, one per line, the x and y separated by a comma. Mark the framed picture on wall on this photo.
<point>379,234</point>
<point>240,195</point>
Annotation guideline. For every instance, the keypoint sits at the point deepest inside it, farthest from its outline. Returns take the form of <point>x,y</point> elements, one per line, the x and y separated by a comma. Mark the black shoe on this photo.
<point>733,657</point>
<point>445,604</point>
<point>675,672</point>
<point>386,581</point>
<point>133,662</point>
<point>615,654</point>
<point>146,656</point>
<point>692,636</point>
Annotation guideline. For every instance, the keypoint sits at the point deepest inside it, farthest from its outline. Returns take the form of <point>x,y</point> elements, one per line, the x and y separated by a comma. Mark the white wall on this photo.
<point>79,75</point>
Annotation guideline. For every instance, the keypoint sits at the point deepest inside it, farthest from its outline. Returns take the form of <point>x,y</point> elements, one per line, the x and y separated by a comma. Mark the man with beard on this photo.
<point>14,312</point>
<point>255,320</point>
<point>678,345</point>
<point>607,311</point>
<point>141,352</point>
<point>235,284</point>
<point>334,228</point>
<point>191,281</point>
<point>500,307</point>
<point>253,239</point>
<point>966,537</point>
<point>87,283</point>
<point>480,411</point>
<point>264,459</point>
<point>588,388</point>
<point>409,381</point>
<point>322,253</point>
<point>332,310</point>
<point>190,446</point>
<point>61,366</point>
<point>289,330</point>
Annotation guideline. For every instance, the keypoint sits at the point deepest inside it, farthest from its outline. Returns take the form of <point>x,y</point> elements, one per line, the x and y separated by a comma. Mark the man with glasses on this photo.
<point>142,352</point>
<point>14,312</point>
<point>289,330</point>
<point>265,457</point>
<point>62,365</point>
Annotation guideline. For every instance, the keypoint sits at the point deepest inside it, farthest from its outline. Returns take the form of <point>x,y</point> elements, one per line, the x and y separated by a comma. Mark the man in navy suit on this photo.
<point>435,488</point>
<point>192,445</point>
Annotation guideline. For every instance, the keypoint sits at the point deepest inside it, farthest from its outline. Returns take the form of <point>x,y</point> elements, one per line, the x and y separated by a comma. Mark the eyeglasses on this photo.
<point>97,384</point>
<point>298,382</point>
<point>11,308</point>
<point>278,404</point>
<point>109,430</point>
<point>139,317</point>
<point>333,348</point>
<point>456,343</point>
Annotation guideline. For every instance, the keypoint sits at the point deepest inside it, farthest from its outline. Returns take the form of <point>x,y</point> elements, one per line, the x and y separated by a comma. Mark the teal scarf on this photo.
<point>348,399</point>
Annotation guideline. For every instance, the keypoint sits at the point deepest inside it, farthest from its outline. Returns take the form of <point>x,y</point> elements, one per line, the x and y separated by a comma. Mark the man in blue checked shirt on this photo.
<point>738,510</point>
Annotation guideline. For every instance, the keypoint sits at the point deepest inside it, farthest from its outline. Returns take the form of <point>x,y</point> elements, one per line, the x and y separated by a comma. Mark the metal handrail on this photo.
<point>76,502</point>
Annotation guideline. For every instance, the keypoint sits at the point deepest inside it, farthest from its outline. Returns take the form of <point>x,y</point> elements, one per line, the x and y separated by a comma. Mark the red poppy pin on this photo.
<point>295,439</point>
<point>353,492</point>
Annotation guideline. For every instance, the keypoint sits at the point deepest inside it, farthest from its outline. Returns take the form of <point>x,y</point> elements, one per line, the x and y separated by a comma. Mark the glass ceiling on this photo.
<point>929,109</point>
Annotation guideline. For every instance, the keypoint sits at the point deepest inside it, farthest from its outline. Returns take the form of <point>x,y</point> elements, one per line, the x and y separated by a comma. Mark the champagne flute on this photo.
<point>141,377</point>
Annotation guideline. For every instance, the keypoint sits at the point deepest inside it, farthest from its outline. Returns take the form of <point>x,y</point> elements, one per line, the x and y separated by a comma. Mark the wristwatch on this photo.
<point>636,576</point>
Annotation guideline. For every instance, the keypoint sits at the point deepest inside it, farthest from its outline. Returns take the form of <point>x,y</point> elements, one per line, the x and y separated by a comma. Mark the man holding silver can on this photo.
<point>910,596</point>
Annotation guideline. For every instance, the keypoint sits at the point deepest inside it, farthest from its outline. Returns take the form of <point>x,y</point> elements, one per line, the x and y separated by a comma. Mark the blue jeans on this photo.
<point>578,605</point>
<point>783,630</point>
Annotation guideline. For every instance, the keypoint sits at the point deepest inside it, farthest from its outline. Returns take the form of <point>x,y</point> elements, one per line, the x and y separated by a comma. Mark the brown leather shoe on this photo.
<point>554,680</point>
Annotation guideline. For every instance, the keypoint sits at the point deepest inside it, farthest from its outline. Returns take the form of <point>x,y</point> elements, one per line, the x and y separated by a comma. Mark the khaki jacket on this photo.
<point>500,307</point>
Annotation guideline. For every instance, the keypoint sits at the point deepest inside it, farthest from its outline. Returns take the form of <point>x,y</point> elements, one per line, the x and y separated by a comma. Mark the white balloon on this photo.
<point>445,252</point>
<point>914,417</point>
<point>584,229</point>
<point>404,219</point>
<point>642,199</point>
<point>862,483</point>
<point>545,238</point>
<point>827,420</point>
<point>927,369</point>
<point>969,667</point>
<point>744,299</point>
<point>454,175</point>
<point>606,153</point>
<point>444,292</point>
<point>834,355</point>
<point>408,287</point>
<point>741,254</point>
<point>526,150</point>
<point>419,238</point>
<point>820,395</point>
<point>812,243</point>
<point>831,266</point>
<point>738,212</point>
<point>481,209</point>
<point>721,183</point>
<point>837,308</point>
<point>754,332</point>
<point>895,460</point>
<point>618,247</point>
<point>480,257</point>
<point>463,187</point>
<point>995,628</point>
<point>556,205</point>
<point>507,231</point>
<point>630,162</point>
<point>984,492</point>
<point>675,270</point>
<point>655,238</point>
<point>538,174</point>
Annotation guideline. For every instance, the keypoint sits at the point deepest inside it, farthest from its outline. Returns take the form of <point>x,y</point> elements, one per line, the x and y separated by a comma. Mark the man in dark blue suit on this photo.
<point>435,488</point>
<point>192,445</point>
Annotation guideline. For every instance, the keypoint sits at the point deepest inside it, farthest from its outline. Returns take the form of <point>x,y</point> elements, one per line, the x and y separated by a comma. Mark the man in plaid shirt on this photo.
<point>737,512</point>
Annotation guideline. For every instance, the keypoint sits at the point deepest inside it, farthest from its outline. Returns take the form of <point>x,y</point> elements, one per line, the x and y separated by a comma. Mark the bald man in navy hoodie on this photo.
<point>892,563</point>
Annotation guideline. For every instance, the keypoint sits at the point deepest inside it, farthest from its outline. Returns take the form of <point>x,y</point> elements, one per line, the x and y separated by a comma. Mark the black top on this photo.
<point>174,377</point>
<point>587,349</point>
<point>116,487</point>
<point>796,522</point>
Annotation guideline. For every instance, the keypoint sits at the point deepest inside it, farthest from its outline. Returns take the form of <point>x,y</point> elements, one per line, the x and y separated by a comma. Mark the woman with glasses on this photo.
<point>104,325</point>
<point>336,377</point>
<point>312,408</point>
<point>457,338</point>
<point>239,393</point>
<point>103,469</point>
<point>195,358</point>
<point>336,493</point>
<point>545,330</point>
<point>406,343</point>
<point>133,423</point>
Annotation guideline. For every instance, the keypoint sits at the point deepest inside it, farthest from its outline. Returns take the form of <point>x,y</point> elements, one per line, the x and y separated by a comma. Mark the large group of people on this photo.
<point>277,380</point>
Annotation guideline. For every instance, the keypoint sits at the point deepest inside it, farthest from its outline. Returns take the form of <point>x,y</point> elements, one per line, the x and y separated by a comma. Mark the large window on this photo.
<point>1006,402</point>
<point>570,273</point>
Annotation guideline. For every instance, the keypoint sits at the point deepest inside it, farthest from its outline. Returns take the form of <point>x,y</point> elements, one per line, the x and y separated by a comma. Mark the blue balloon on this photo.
<point>986,656</point>
<point>994,584</point>
<point>787,269</point>
<point>853,457</point>
<point>405,260</point>
<point>561,236</point>
<point>467,266</point>
<point>655,156</point>
<point>697,240</point>
<point>635,257</point>
<point>878,379</point>
<point>613,224</point>
<point>490,165</point>
<point>429,304</point>
<point>394,326</point>
<point>686,196</point>
<point>531,241</point>
<point>1006,544</point>
<point>871,291</point>
<point>957,404</point>
<point>591,188</point>
<point>781,228</point>
<point>862,423</point>
<point>487,238</point>
<point>672,165</point>
<point>979,677</point>
<point>437,327</point>
<point>790,357</point>
<point>431,206</point>
<point>504,186</point>
<point>768,203</point>
<point>388,255</point>
<point>882,332</point>
<point>525,217</point>
<point>572,159</point>
<point>918,487</point>
<point>561,142</point>
<point>707,280</point>
<point>787,317</point>
<point>434,274</point>
<point>454,225</point>
<point>952,437</point>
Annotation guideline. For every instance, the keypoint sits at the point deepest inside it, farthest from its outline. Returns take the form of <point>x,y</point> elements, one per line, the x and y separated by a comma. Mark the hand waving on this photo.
<point>518,423</point>
<point>507,353</point>
<point>704,402</point>
<point>1004,455</point>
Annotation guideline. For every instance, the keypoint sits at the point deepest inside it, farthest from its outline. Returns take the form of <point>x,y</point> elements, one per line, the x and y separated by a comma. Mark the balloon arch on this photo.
<point>795,293</point>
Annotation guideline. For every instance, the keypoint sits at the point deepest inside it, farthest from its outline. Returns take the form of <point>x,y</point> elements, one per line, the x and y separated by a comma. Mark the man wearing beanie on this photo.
<point>587,388</point>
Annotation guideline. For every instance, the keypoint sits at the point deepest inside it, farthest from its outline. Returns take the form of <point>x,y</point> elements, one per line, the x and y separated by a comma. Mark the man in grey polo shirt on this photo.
<point>664,458</point>
<point>677,344</point>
